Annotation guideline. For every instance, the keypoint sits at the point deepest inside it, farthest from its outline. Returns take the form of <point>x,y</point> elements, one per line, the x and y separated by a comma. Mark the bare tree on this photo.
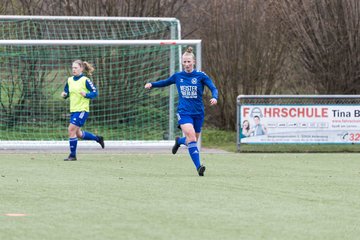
<point>138,8</point>
<point>249,47</point>
<point>326,34</point>
<point>244,52</point>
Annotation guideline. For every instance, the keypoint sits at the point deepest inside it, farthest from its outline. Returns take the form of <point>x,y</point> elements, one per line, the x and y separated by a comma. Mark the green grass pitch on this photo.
<point>160,196</point>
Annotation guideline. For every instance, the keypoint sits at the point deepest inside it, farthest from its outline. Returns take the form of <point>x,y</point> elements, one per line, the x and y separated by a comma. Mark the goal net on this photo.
<point>87,28</point>
<point>303,123</point>
<point>33,74</point>
<point>31,77</point>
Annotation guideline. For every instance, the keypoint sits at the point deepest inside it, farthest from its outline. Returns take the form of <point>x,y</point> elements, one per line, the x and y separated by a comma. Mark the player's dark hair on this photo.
<point>248,126</point>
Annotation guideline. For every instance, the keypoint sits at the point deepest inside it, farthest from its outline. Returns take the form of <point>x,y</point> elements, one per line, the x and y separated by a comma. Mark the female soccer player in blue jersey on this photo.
<point>80,89</point>
<point>190,84</point>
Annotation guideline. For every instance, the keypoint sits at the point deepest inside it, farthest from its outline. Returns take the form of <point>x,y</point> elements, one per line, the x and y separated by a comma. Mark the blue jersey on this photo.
<point>190,87</point>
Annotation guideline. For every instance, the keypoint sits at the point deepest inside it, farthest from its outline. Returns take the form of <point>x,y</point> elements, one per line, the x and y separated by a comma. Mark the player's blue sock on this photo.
<point>194,153</point>
<point>89,136</point>
<point>73,145</point>
<point>182,141</point>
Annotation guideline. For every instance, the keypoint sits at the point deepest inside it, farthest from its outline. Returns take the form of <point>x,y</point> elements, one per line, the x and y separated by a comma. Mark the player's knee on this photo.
<point>191,138</point>
<point>72,132</point>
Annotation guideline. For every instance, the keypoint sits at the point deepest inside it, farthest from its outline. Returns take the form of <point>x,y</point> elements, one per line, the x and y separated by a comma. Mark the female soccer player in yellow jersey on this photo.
<point>80,90</point>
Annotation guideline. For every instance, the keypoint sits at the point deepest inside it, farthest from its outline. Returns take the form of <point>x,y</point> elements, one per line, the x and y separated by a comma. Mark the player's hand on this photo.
<point>63,94</point>
<point>213,101</point>
<point>148,86</point>
<point>83,94</point>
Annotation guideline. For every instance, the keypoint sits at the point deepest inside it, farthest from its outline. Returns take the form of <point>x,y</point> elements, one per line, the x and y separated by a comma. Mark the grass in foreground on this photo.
<point>159,196</point>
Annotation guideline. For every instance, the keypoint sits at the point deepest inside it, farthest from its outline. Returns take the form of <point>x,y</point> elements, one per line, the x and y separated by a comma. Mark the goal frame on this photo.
<point>19,144</point>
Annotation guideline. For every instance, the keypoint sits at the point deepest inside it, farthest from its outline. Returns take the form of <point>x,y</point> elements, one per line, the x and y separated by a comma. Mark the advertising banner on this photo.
<point>299,124</point>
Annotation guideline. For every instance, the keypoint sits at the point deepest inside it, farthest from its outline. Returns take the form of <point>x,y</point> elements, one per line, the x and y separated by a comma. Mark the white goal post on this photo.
<point>175,49</point>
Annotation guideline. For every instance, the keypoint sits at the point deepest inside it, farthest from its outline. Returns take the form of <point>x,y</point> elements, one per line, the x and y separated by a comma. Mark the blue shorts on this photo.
<point>78,118</point>
<point>196,120</point>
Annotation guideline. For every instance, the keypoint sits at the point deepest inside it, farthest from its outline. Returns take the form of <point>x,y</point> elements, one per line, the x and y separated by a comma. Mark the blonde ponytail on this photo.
<point>88,68</point>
